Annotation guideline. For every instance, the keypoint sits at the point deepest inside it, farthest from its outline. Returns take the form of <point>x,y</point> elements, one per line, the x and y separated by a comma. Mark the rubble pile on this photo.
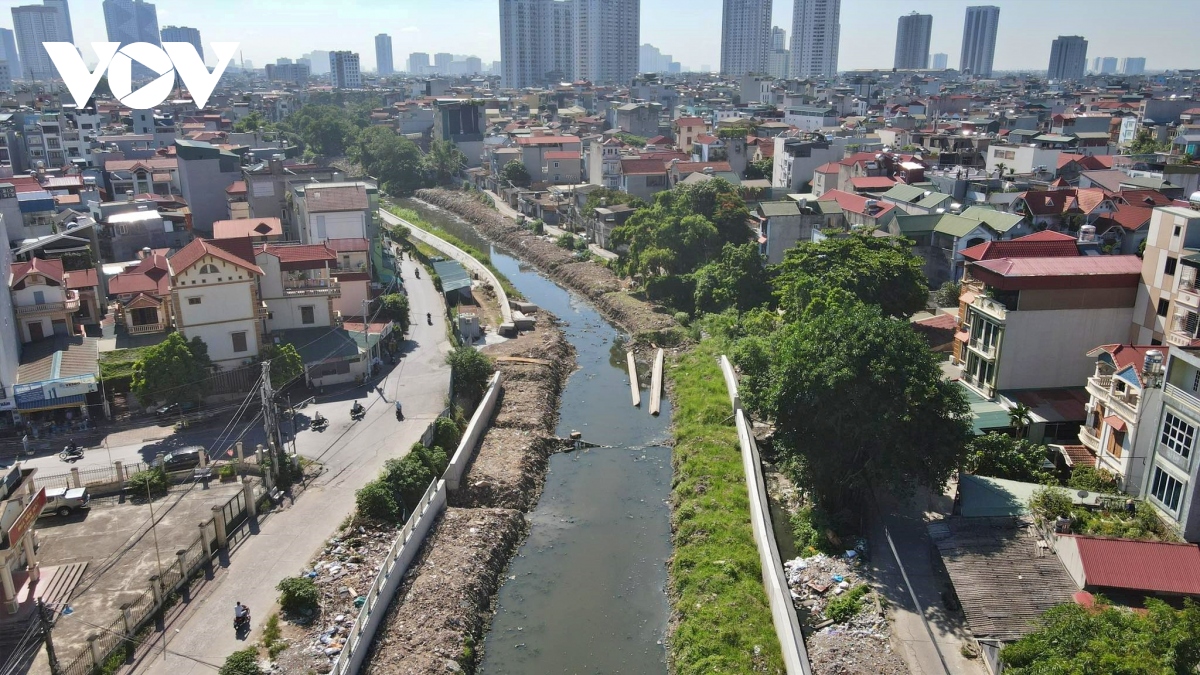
<point>861,645</point>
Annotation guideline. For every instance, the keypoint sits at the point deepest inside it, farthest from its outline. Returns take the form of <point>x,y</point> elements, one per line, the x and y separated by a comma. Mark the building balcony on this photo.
<point>987,306</point>
<point>1187,294</point>
<point>145,328</point>
<point>1183,396</point>
<point>986,351</point>
<point>263,311</point>
<point>1179,338</point>
<point>1088,437</point>
<point>69,306</point>
<point>301,287</point>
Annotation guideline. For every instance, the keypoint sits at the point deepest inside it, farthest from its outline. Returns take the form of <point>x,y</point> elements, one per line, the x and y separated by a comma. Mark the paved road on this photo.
<point>510,212</point>
<point>352,454</point>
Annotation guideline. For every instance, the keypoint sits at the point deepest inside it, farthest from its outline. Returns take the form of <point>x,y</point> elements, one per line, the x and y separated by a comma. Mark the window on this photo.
<point>1196,381</point>
<point>194,301</point>
<point>306,315</point>
<point>1166,489</point>
<point>1163,305</point>
<point>208,269</point>
<point>1177,435</point>
<point>1171,265</point>
<point>1177,229</point>
<point>556,165</point>
<point>239,341</point>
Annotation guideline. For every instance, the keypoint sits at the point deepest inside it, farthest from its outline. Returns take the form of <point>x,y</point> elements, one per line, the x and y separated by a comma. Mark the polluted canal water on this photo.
<point>586,592</point>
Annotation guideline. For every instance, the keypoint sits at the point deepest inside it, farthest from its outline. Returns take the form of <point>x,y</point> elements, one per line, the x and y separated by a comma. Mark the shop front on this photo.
<point>20,507</point>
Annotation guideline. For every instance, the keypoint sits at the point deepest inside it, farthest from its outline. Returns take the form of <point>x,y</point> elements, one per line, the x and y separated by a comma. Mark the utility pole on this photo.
<point>50,656</point>
<point>367,334</point>
<point>268,407</point>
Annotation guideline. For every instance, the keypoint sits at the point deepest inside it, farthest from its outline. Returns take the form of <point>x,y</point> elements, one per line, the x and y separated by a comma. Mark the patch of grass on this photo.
<point>716,577</point>
<point>843,608</point>
<point>271,639</point>
<point>119,362</point>
<point>415,218</point>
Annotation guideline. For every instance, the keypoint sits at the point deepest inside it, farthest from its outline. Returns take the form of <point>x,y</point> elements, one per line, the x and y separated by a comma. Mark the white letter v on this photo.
<point>74,72</point>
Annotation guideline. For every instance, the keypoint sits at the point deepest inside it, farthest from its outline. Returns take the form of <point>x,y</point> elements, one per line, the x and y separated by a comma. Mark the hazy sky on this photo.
<point>1160,30</point>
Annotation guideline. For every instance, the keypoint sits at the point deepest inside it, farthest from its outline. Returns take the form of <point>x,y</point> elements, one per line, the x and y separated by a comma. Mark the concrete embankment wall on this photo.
<point>783,612</point>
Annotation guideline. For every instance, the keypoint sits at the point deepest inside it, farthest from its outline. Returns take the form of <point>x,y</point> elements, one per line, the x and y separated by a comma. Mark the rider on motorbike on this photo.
<point>318,419</point>
<point>429,317</point>
<point>240,612</point>
<point>399,410</point>
<point>72,448</point>
<point>356,408</point>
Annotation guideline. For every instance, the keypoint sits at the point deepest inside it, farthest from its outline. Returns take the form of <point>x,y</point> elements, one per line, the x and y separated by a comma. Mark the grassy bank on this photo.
<point>415,218</point>
<point>723,619</point>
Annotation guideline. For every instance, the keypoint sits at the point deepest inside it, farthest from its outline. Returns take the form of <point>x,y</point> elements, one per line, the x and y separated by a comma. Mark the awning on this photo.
<point>762,240</point>
<point>962,336</point>
<point>967,297</point>
<point>52,403</point>
<point>1115,422</point>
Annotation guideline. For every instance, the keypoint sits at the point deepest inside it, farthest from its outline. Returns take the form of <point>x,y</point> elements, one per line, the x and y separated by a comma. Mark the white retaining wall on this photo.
<point>783,612</point>
<point>470,439</point>
<point>458,254</point>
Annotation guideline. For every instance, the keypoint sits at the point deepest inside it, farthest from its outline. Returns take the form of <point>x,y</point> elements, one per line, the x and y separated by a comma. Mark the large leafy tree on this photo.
<point>470,370</point>
<point>1002,456</point>
<point>515,172</point>
<point>444,160</point>
<point>735,279</point>
<point>393,159</point>
<point>325,129</point>
<point>878,271</point>
<point>171,371</point>
<point>286,364</point>
<point>1106,640</point>
<point>858,401</point>
<point>1145,144</point>
<point>761,168</point>
<point>683,229</point>
<point>395,307</point>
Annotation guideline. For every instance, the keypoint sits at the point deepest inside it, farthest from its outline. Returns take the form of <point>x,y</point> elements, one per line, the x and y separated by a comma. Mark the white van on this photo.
<point>65,501</point>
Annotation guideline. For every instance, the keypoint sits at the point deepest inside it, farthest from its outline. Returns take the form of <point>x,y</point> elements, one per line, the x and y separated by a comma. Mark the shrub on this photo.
<point>271,639</point>
<point>948,293</point>
<point>408,477</point>
<point>1049,503</point>
<point>565,241</point>
<point>242,662</point>
<point>1092,479</point>
<point>843,608</point>
<point>377,501</point>
<point>682,318</point>
<point>151,481</point>
<point>446,433</point>
<point>298,595</point>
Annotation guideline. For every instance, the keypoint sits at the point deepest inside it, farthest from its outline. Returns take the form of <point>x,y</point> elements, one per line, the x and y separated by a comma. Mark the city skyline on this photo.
<point>692,37</point>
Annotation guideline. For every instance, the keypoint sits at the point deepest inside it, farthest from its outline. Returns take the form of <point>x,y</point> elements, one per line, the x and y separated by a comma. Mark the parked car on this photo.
<point>181,459</point>
<point>177,408</point>
<point>65,501</point>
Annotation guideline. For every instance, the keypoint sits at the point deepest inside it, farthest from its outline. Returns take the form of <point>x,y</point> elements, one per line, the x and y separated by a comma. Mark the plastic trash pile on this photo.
<point>816,580</point>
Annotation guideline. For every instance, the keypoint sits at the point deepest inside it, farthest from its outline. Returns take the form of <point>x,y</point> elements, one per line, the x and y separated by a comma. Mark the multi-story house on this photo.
<point>1168,302</point>
<point>1125,384</point>
<point>353,272</point>
<point>796,158</point>
<point>42,303</point>
<point>1063,209</point>
<point>214,296</point>
<point>604,162</point>
<point>143,294</point>
<point>205,170</point>
<point>268,184</point>
<point>322,211</point>
<point>297,286</point>
<point>1028,323</point>
<point>158,176</point>
<point>687,129</point>
<point>535,148</point>
<point>643,178</point>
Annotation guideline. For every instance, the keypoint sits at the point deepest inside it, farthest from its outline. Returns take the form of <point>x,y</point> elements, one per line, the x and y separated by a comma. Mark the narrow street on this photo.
<point>351,454</point>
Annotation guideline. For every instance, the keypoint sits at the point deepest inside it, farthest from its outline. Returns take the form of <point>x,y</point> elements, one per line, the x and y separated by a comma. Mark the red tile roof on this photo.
<point>348,245</point>
<point>147,164</point>
<point>831,167</point>
<point>1139,565</point>
<point>1059,202</point>
<point>547,140</point>
<point>298,256</point>
<point>942,321</point>
<point>237,187</point>
<point>1143,197</point>
<point>690,122</point>
<point>562,154</point>
<point>1125,355</point>
<point>659,140</point>
<point>856,203</point>
<point>324,199</point>
<point>80,279</point>
<point>1078,455</point>
<point>151,275</point>
<point>1129,217</point>
<point>233,251</point>
<point>872,182</point>
<point>1030,246</point>
<point>247,227</point>
<point>1105,271</point>
<point>642,167</point>
<point>705,139</point>
<point>51,269</point>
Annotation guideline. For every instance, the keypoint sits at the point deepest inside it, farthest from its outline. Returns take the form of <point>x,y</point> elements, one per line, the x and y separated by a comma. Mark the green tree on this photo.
<point>1093,480</point>
<point>1106,640</point>
<point>1002,456</point>
<point>298,594</point>
<point>1144,144</point>
<point>948,294</point>
<point>408,477</point>
<point>171,372</point>
<point>859,402</point>
<point>325,129</point>
<point>737,279</point>
<point>631,139</point>
<point>446,434</point>
<point>470,370</point>
<point>251,122</point>
<point>395,307</point>
<point>444,160</point>
<point>878,271</point>
<point>607,197</point>
<point>286,364</point>
<point>761,168</point>
<point>241,662</point>
<point>1019,418</point>
<point>377,501</point>
<point>515,172</point>
<point>390,157</point>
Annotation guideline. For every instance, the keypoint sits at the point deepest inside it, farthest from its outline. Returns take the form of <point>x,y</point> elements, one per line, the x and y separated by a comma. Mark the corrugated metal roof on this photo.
<point>1062,267</point>
<point>1140,565</point>
<point>452,275</point>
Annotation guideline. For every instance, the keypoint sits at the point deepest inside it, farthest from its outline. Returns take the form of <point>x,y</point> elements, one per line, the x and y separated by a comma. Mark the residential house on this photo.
<point>127,227</point>
<point>680,171</point>
<point>915,200</point>
<point>860,212</point>
<point>643,178</point>
<point>706,148</point>
<point>1168,302</point>
<point>353,272</point>
<point>143,294</point>
<point>1006,160</point>
<point>296,285</point>
<point>1126,382</point>
<point>323,211</point>
<point>942,240</point>
<point>687,129</point>
<point>1128,571</point>
<point>1124,230</point>
<point>604,219</point>
<point>235,200</point>
<point>810,118</point>
<point>258,230</point>
<point>1063,209</point>
<point>268,185</point>
<point>780,226</point>
<point>205,170</point>
<point>43,304</point>
<point>535,148</point>
<point>562,167</point>
<point>869,185</point>
<point>86,283</point>
<point>1028,323</point>
<point>604,162</point>
<point>159,176</point>
<point>796,158</point>
<point>826,177</point>
<point>214,296</point>
<point>639,119</point>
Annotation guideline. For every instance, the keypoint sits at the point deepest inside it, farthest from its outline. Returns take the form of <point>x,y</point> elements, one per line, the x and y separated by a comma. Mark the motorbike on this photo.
<point>319,424</point>
<point>241,623</point>
<point>417,271</point>
<point>70,454</point>
<point>429,318</point>
<point>399,413</point>
<point>358,413</point>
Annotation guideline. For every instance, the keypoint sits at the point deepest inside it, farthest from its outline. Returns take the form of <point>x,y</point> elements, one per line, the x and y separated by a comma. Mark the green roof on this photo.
<point>773,209</point>
<point>1054,138</point>
<point>1092,134</point>
<point>916,224</point>
<point>452,274</point>
<point>999,221</point>
<point>828,207</point>
<point>934,200</point>
<point>904,193</point>
<point>955,226</point>
<point>985,414</point>
<point>320,345</point>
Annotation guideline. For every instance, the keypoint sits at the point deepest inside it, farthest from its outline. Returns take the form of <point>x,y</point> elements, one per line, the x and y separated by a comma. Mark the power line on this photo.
<point>136,643</point>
